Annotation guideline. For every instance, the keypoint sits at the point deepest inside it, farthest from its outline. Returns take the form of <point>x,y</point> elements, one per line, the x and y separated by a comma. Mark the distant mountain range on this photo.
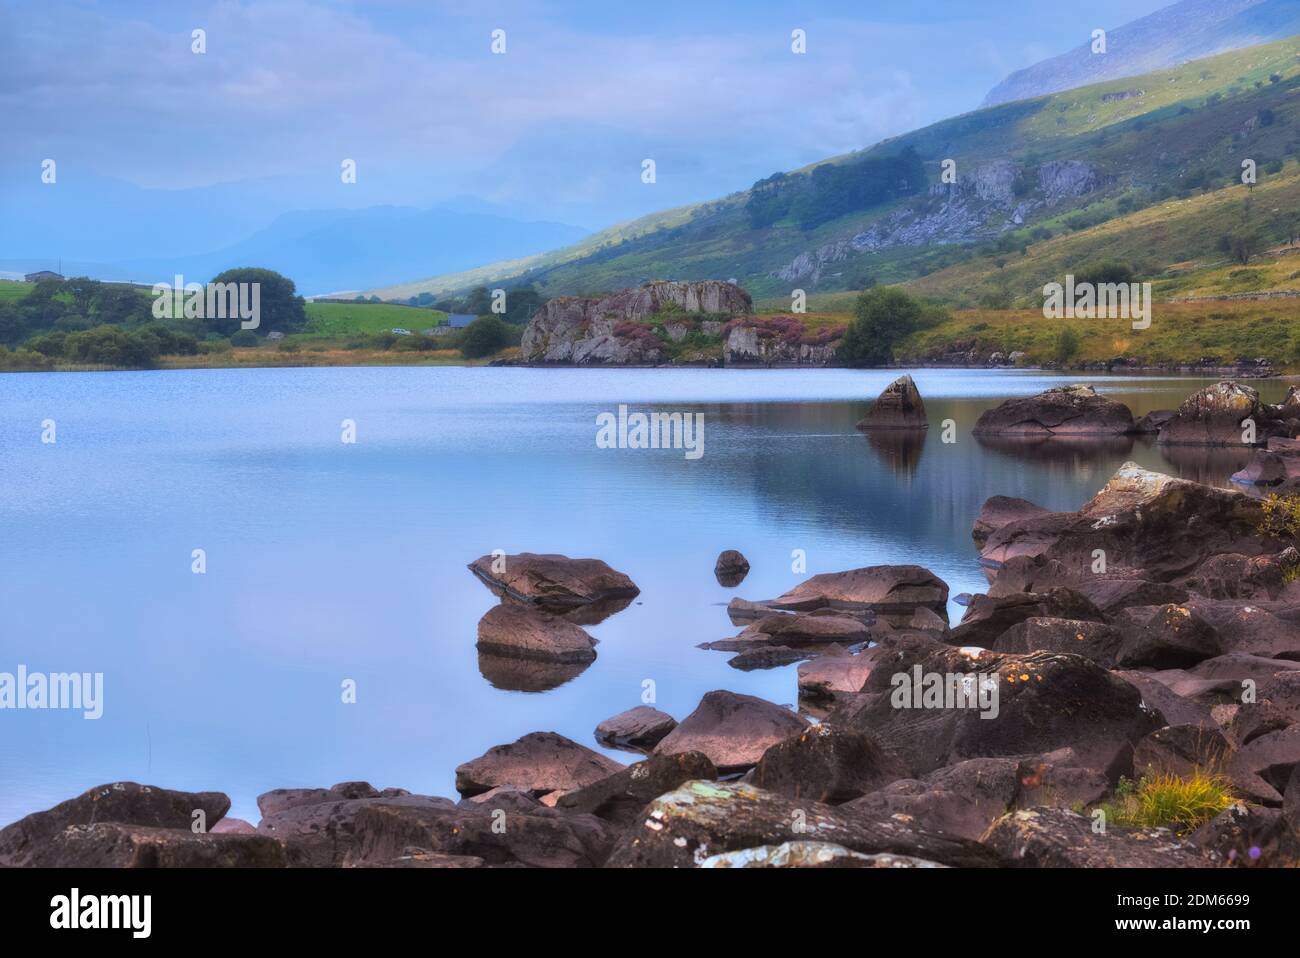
<point>1188,30</point>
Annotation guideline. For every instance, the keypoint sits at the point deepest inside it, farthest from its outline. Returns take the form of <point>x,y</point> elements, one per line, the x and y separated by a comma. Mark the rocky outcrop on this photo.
<point>899,406</point>
<point>1217,416</point>
<point>777,341</point>
<point>579,331</point>
<point>1063,411</point>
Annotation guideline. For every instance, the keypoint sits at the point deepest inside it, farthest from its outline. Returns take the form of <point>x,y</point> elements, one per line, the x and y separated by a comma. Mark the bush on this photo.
<point>1109,271</point>
<point>483,337</point>
<point>245,338</point>
<point>882,317</point>
<point>1183,804</point>
<point>1066,346</point>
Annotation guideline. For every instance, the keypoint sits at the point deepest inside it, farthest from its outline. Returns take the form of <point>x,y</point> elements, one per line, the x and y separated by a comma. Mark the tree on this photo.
<point>882,317</point>
<point>483,337</point>
<point>281,308</point>
<point>1103,273</point>
<point>1066,346</point>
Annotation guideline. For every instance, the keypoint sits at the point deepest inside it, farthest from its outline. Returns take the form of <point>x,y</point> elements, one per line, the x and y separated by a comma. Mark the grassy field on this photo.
<point>268,357</point>
<point>342,319</point>
<point>11,290</point>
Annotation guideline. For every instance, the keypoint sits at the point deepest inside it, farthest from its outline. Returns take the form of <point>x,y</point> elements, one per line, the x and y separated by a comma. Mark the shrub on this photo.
<point>483,337</point>
<point>1183,804</point>
<point>882,317</point>
<point>1281,516</point>
<point>1066,346</point>
<point>244,338</point>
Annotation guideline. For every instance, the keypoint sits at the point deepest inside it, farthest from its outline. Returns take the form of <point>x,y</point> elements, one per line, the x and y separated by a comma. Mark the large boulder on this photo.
<point>539,762</point>
<point>124,803</point>
<point>282,799</point>
<point>1181,750</point>
<point>1155,525</point>
<point>1060,838</point>
<point>899,406</point>
<point>619,798</point>
<point>834,672</point>
<point>1164,637</point>
<point>887,589</point>
<point>1019,705</point>
<point>732,730</point>
<point>687,827</point>
<point>1214,416</point>
<point>554,582</point>
<point>118,845</point>
<point>1063,411</point>
<point>513,629</point>
<point>987,618</point>
<point>1096,641</point>
<point>825,764</point>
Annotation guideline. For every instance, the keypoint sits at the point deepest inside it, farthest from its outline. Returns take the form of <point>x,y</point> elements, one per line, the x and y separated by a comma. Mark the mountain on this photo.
<point>1025,172</point>
<point>334,250</point>
<point>1189,30</point>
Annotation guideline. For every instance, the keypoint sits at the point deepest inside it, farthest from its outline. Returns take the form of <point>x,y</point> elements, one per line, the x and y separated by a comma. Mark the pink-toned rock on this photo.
<point>732,731</point>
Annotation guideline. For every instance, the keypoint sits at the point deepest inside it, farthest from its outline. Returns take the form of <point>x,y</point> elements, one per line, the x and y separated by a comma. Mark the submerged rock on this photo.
<point>899,406</point>
<point>731,568</point>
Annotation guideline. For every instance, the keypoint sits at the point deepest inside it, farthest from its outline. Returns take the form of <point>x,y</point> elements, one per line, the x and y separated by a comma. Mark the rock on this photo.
<point>1214,416</point>
<point>595,331</point>
<point>1168,704</point>
<point>997,512</point>
<point>1062,411</point>
<point>555,582</point>
<point>1164,637</point>
<point>120,845</point>
<point>888,589</point>
<point>1243,835</point>
<point>771,657</point>
<point>987,618</point>
<point>966,798</point>
<point>539,762</point>
<point>515,630</point>
<point>700,820</point>
<point>1153,422</point>
<point>282,799</point>
<point>1060,838</point>
<point>817,628</point>
<point>1111,594</point>
<point>1034,704</point>
<point>639,729</point>
<point>825,764</point>
<point>898,407</point>
<point>810,855</point>
<point>619,798</point>
<point>833,673</point>
<point>124,803</point>
<point>732,730</point>
<point>1264,469</point>
<point>1247,626</point>
<point>1029,574</point>
<point>1235,576</point>
<point>1271,756</point>
<point>1093,640</point>
<point>233,826</point>
<point>388,830</point>
<point>1155,525</point>
<point>1180,750</point>
<point>731,568</point>
<point>742,610</point>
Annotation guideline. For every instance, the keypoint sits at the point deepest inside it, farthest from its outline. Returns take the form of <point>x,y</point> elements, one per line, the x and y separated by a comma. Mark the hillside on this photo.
<point>1184,31</point>
<point>1024,171</point>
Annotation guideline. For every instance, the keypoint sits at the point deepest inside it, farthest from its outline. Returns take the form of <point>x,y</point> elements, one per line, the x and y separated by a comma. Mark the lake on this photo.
<point>329,561</point>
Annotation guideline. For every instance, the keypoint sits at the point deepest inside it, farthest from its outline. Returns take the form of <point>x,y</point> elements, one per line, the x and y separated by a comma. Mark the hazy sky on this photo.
<point>556,127</point>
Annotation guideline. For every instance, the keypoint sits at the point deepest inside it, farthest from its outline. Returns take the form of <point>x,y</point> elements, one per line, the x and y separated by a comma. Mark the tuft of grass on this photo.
<point>1281,517</point>
<point>1170,801</point>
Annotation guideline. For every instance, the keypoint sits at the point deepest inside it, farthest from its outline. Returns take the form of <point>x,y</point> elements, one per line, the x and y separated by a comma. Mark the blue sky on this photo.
<point>556,128</point>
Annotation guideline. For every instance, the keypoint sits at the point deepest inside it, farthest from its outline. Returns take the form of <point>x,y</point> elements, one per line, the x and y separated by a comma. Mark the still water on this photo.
<point>329,561</point>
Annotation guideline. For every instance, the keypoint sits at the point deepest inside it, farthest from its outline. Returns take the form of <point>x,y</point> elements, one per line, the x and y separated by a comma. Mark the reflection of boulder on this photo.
<point>527,675</point>
<point>1063,411</point>
<point>1057,448</point>
<point>1208,465</point>
<point>900,449</point>
<point>898,407</point>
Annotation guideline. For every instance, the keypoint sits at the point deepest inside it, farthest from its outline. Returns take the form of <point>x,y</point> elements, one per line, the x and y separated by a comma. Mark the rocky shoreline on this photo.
<point>1151,636</point>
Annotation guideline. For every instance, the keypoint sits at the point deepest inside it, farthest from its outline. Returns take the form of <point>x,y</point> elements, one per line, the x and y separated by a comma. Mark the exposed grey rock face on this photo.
<point>570,329</point>
<point>899,406</point>
<point>745,345</point>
